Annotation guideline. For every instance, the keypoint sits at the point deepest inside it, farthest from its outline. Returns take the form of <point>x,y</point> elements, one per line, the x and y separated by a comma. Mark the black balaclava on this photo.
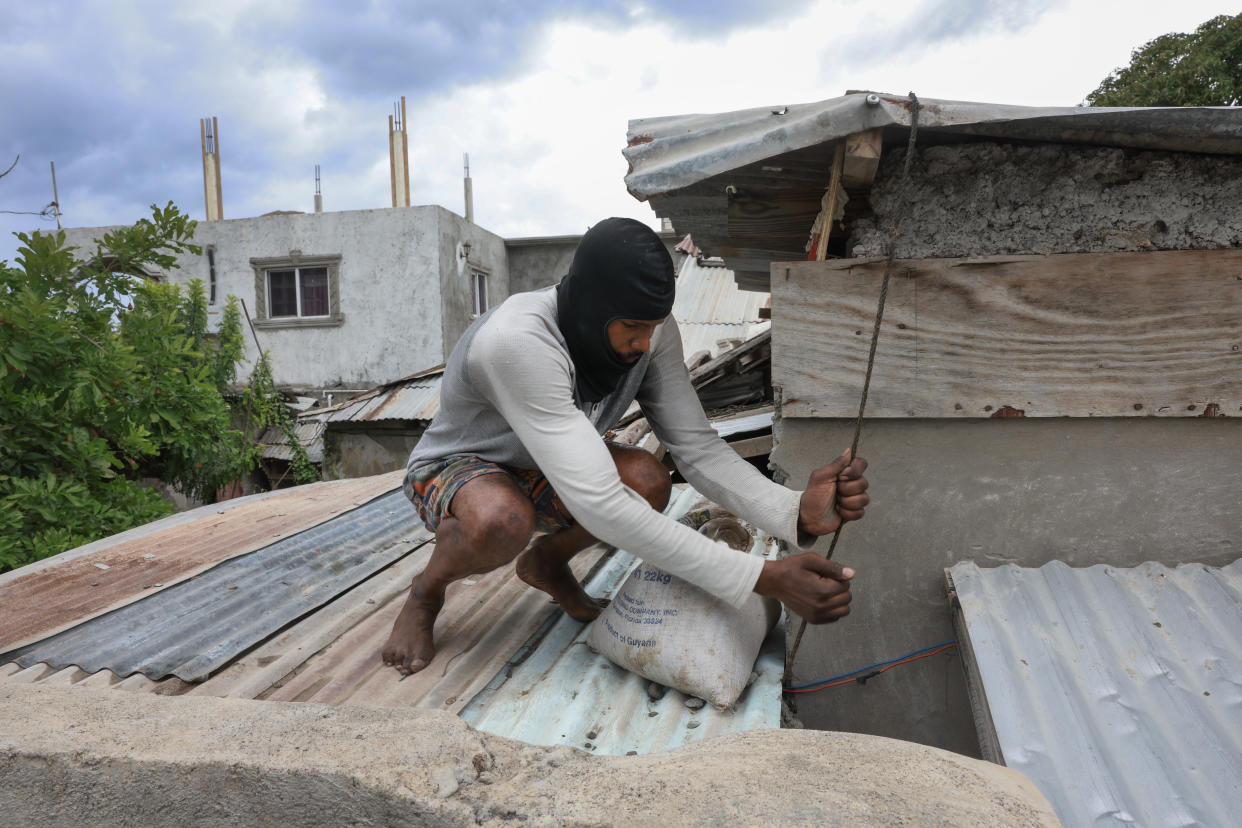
<point>621,270</point>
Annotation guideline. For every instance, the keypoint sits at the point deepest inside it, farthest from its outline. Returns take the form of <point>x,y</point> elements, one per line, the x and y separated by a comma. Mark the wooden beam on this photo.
<point>753,446</point>
<point>832,206</point>
<point>1072,335</point>
<point>862,158</point>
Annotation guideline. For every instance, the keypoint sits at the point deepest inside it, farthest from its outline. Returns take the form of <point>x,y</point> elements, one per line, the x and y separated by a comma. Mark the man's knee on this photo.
<point>643,473</point>
<point>494,515</point>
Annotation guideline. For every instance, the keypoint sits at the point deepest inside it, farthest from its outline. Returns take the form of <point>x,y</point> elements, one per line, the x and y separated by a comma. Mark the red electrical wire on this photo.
<point>853,679</point>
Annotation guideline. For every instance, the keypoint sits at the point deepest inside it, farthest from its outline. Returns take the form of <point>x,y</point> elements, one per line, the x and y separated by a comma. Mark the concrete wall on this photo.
<point>487,253</point>
<point>539,262</point>
<point>987,198</point>
<point>402,294</point>
<point>364,453</point>
<point>1021,491</point>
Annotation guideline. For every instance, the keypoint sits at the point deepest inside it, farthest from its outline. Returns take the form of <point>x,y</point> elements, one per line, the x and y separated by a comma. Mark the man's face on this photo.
<point>631,338</point>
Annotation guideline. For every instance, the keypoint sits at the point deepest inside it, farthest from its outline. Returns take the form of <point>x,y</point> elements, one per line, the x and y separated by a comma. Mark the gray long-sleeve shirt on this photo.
<point>508,397</point>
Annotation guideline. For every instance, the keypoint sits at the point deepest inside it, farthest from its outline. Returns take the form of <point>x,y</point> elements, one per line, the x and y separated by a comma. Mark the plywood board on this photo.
<point>1075,335</point>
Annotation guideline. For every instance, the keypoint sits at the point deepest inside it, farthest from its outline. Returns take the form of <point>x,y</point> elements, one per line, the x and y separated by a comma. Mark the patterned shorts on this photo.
<point>431,488</point>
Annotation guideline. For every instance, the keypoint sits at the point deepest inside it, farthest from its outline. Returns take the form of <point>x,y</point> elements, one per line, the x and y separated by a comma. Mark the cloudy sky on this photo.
<point>538,92</point>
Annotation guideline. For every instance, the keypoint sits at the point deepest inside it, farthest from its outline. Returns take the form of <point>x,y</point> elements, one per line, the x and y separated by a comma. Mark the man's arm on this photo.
<point>527,378</point>
<point>816,589</point>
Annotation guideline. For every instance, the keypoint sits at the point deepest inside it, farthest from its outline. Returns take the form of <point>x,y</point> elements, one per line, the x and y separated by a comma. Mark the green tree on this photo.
<point>1199,68</point>
<point>106,379</point>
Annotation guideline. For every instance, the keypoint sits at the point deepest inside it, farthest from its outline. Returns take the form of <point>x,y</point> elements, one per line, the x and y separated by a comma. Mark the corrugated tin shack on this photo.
<point>1059,372</point>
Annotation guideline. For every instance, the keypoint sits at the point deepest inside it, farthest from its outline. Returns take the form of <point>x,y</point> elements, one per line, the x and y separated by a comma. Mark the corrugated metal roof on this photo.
<point>556,691</point>
<point>192,629</point>
<point>739,424</point>
<point>50,598</point>
<point>675,152</point>
<point>1117,691</point>
<point>708,295</point>
<point>328,652</point>
<point>309,432</point>
<point>711,312</point>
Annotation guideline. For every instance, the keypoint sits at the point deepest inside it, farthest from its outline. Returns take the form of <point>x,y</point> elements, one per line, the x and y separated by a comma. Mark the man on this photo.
<point>516,447</point>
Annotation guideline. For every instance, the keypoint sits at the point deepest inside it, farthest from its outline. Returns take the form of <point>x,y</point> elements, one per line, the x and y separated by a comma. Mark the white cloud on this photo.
<point>539,95</point>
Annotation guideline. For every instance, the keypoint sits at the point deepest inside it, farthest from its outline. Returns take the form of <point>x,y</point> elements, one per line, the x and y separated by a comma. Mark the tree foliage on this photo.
<point>106,379</point>
<point>1199,68</point>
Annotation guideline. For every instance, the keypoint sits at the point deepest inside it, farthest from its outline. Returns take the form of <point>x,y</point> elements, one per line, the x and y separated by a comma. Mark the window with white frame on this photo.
<point>478,292</point>
<point>297,290</point>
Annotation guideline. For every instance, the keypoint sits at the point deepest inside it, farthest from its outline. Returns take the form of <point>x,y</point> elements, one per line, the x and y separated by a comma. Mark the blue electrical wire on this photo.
<point>870,666</point>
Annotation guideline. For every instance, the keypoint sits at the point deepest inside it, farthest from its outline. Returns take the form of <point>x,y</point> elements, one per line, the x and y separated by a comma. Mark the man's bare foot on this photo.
<point>410,647</point>
<point>558,580</point>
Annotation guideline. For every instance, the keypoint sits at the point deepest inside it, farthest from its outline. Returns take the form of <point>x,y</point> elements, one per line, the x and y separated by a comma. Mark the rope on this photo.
<point>875,337</point>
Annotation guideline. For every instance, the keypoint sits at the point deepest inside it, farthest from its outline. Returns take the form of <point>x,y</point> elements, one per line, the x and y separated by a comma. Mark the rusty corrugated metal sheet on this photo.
<point>489,627</point>
<point>192,629</point>
<point>496,636</point>
<point>414,398</point>
<point>1118,692</point>
<point>56,596</point>
<point>309,432</point>
<point>417,401</point>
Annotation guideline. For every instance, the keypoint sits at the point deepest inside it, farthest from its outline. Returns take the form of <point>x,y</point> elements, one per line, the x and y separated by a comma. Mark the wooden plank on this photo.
<point>773,216</point>
<point>753,446</point>
<point>1073,335</point>
<point>862,158</point>
<point>832,206</point>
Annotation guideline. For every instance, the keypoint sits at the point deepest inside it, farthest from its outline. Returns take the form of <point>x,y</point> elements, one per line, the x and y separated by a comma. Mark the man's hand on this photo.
<point>815,588</point>
<point>835,493</point>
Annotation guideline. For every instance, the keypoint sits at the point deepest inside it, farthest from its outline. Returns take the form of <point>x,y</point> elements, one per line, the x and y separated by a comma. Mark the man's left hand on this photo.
<point>835,493</point>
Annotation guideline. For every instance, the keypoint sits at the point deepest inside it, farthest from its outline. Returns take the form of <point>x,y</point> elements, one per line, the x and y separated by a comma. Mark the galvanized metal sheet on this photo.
<point>757,421</point>
<point>672,153</point>
<point>1117,691</point>
<point>556,691</point>
<point>709,295</point>
<point>194,628</point>
<point>48,599</point>
<point>712,314</point>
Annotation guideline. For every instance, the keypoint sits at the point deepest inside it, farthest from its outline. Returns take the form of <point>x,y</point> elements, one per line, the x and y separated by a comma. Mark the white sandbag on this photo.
<point>672,632</point>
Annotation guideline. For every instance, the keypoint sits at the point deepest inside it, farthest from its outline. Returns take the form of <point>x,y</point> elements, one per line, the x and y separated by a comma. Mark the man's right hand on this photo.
<point>815,588</point>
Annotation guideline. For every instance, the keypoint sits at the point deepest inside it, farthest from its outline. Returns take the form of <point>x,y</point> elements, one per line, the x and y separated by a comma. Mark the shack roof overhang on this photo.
<point>743,183</point>
<point>674,152</point>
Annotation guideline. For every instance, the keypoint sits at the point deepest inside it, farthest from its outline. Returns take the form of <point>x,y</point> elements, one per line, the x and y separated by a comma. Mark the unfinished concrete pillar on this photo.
<point>469,189</point>
<point>399,156</point>
<point>212,194</point>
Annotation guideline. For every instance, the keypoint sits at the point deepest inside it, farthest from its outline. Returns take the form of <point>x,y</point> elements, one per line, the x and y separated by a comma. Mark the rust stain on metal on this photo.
<point>66,593</point>
<point>640,139</point>
<point>904,103</point>
<point>1007,411</point>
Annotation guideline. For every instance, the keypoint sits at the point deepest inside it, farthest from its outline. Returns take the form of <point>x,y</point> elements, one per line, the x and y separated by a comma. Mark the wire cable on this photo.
<point>915,106</point>
<point>883,667</point>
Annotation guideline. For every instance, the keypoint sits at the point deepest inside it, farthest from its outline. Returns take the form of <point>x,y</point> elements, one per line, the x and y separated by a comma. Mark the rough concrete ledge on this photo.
<point>84,756</point>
